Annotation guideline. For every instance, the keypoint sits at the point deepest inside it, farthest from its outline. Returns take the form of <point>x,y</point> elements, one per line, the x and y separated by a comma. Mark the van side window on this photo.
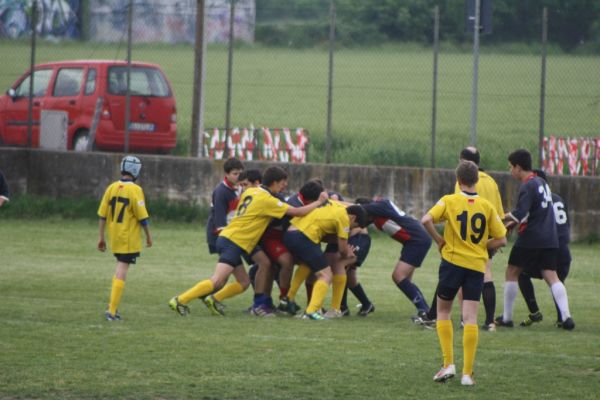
<point>40,84</point>
<point>90,82</point>
<point>68,82</point>
<point>145,81</point>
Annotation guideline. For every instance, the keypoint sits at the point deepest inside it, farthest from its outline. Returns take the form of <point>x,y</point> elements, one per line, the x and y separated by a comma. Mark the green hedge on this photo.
<point>41,207</point>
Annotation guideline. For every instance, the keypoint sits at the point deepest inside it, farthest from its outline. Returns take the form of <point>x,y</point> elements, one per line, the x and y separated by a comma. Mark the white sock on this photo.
<point>559,292</point>
<point>510,294</point>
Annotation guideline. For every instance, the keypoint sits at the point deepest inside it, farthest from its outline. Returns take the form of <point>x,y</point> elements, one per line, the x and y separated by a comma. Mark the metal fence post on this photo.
<point>128,93</point>
<point>543,86</point>
<point>198,91</point>
<point>330,81</point>
<point>475,73</point>
<point>436,50</point>
<point>229,71</point>
<point>32,71</point>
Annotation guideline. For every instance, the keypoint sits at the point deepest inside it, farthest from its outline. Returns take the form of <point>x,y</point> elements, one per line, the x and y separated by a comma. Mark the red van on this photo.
<point>75,86</point>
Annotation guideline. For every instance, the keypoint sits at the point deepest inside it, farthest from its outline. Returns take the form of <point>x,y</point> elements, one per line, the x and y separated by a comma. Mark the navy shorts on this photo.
<point>533,260</point>
<point>127,258</point>
<point>362,244</point>
<point>413,253</point>
<point>304,249</point>
<point>563,264</point>
<point>229,252</point>
<point>452,277</point>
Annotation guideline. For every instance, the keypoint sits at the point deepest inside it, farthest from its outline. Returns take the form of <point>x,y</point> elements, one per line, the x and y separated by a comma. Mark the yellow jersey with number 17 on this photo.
<point>123,206</point>
<point>255,210</point>
<point>469,221</point>
<point>330,218</point>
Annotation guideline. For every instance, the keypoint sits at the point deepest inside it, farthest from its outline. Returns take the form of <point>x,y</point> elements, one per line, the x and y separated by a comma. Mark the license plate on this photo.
<point>141,126</point>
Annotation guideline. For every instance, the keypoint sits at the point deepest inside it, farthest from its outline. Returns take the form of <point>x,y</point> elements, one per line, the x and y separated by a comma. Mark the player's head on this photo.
<point>131,165</point>
<point>233,167</point>
<point>275,178</point>
<point>520,158</point>
<point>467,173</point>
<point>358,215</point>
<point>250,177</point>
<point>541,174</point>
<point>231,164</point>
<point>470,153</point>
<point>362,200</point>
<point>311,190</point>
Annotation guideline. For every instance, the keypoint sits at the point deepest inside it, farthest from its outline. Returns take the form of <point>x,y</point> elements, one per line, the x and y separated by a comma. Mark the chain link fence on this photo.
<point>365,96</point>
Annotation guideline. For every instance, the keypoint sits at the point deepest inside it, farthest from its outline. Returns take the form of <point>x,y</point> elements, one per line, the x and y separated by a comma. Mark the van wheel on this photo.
<point>80,142</point>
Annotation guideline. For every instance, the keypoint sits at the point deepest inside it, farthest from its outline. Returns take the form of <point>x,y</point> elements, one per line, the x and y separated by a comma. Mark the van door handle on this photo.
<point>72,102</point>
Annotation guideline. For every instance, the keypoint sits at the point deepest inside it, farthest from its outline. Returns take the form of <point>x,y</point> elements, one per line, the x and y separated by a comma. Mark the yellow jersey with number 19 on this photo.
<point>255,210</point>
<point>469,221</point>
<point>123,206</point>
<point>330,218</point>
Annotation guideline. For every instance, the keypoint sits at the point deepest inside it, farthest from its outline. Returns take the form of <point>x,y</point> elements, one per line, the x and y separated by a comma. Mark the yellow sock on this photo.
<point>202,288</point>
<point>229,290</point>
<point>470,339</point>
<point>338,284</point>
<point>318,296</point>
<point>446,336</point>
<point>115,295</point>
<point>302,272</point>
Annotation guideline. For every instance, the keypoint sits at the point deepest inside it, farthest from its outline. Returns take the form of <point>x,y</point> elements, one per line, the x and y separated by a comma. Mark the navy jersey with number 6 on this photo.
<point>535,214</point>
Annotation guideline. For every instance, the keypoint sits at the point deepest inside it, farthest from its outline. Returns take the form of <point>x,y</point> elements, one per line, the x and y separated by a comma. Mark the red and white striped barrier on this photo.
<point>279,144</point>
<point>581,156</point>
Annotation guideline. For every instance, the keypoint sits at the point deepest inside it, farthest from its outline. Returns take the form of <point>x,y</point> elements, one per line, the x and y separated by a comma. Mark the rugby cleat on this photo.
<point>316,316</point>
<point>499,321</point>
<point>215,306</point>
<point>445,373</point>
<point>467,380</point>
<point>366,310</point>
<point>532,318</point>
<point>109,317</point>
<point>179,308</point>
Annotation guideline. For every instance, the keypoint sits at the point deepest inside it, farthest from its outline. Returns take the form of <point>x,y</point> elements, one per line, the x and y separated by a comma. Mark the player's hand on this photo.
<point>323,196</point>
<point>148,242</point>
<point>441,245</point>
<point>102,245</point>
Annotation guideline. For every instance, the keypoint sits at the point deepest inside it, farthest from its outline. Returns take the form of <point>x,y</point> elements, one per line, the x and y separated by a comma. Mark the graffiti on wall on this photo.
<point>54,18</point>
<point>170,21</point>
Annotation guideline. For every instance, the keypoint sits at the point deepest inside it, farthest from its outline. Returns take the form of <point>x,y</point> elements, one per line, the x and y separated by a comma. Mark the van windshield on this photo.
<point>145,81</point>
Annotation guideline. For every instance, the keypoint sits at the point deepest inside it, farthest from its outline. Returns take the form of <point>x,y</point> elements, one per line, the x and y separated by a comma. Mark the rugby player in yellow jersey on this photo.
<point>472,227</point>
<point>488,189</point>
<point>256,208</point>
<point>303,239</point>
<point>123,210</point>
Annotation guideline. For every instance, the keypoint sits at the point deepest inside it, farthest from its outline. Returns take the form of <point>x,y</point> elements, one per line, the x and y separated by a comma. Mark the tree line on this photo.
<point>572,24</point>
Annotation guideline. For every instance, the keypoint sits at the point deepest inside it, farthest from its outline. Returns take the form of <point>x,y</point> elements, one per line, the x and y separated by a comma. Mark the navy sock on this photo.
<point>360,294</point>
<point>432,314</point>
<point>344,305</point>
<point>528,293</point>
<point>489,301</point>
<point>413,293</point>
<point>260,299</point>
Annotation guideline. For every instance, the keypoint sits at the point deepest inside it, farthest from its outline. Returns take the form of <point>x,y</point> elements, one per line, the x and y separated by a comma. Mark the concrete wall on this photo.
<point>190,180</point>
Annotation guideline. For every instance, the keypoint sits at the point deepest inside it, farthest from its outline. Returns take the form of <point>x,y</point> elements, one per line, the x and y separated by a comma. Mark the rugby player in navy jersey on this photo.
<point>536,248</point>
<point>387,217</point>
<point>561,216</point>
<point>224,202</point>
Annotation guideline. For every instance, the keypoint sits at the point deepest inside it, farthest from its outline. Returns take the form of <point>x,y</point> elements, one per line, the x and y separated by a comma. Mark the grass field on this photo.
<point>55,344</point>
<point>381,99</point>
